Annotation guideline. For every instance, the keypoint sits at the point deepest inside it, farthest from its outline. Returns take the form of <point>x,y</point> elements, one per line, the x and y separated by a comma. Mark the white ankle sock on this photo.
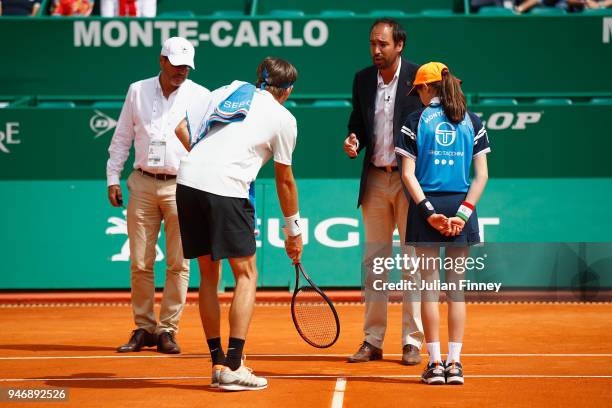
<point>454,352</point>
<point>434,352</point>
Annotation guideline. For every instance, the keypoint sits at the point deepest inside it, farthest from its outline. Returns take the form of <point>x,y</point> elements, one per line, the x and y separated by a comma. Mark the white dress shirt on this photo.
<point>147,115</point>
<point>384,153</point>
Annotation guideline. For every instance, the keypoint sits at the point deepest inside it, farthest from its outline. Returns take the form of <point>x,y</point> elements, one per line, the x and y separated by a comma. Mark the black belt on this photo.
<point>157,176</point>
<point>386,169</point>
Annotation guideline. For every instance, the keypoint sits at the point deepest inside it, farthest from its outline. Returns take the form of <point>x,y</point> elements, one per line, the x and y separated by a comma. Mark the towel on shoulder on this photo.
<point>230,103</point>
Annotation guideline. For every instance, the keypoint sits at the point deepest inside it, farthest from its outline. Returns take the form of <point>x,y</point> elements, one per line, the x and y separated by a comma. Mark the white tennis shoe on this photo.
<point>216,373</point>
<point>241,379</point>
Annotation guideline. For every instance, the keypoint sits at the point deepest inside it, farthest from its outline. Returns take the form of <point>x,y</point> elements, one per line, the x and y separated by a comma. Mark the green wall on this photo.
<point>528,140</point>
<point>551,180</point>
<point>545,55</point>
<point>64,234</point>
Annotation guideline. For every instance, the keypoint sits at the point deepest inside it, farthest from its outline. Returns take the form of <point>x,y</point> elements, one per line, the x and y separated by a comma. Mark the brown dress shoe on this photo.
<point>167,344</point>
<point>366,352</point>
<point>411,355</point>
<point>140,338</point>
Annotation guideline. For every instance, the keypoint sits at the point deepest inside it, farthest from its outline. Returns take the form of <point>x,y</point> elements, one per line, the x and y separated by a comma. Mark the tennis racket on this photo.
<point>313,314</point>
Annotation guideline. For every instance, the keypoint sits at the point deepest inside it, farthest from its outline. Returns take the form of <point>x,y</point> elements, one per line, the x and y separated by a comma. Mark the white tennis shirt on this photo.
<point>228,159</point>
<point>147,115</point>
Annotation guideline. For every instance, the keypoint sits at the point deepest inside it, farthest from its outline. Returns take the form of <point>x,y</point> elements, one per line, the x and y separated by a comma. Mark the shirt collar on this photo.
<point>381,82</point>
<point>435,100</point>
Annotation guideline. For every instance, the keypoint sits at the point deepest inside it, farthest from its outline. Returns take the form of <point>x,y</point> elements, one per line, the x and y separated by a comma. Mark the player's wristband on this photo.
<point>426,209</point>
<point>465,211</point>
<point>293,225</point>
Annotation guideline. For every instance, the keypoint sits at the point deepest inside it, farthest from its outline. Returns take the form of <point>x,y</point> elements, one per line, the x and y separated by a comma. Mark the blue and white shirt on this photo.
<point>443,150</point>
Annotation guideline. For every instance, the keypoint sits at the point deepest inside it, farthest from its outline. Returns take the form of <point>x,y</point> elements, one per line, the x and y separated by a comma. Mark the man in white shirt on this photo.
<point>216,217</point>
<point>152,109</point>
<point>380,106</point>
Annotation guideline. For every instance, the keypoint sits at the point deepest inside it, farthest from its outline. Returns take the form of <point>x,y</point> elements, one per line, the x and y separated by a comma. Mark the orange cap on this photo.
<point>428,73</point>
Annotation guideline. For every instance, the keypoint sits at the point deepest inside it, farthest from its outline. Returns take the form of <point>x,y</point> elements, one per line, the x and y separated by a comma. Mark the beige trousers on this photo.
<point>150,202</point>
<point>385,207</point>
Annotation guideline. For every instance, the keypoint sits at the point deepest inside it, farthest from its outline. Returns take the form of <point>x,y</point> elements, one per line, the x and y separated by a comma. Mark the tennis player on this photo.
<point>248,126</point>
<point>438,146</point>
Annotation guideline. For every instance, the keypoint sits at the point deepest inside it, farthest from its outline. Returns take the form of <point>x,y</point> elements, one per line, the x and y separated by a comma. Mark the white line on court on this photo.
<point>338,399</point>
<point>206,356</point>
<point>518,376</point>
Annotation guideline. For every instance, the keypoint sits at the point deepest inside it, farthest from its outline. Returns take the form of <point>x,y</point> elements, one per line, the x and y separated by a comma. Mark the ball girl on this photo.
<point>438,146</point>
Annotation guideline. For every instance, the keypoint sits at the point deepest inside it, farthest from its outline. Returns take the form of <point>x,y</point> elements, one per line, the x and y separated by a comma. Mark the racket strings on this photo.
<point>315,317</point>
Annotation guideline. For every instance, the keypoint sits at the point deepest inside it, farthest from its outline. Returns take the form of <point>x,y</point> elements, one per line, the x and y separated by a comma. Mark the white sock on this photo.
<point>454,352</point>
<point>434,352</point>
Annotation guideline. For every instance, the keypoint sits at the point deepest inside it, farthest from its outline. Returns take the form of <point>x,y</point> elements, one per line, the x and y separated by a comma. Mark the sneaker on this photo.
<point>454,373</point>
<point>241,379</point>
<point>216,373</point>
<point>433,374</point>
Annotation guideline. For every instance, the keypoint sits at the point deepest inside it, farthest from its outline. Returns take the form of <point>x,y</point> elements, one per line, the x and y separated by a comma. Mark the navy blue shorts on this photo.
<point>222,227</point>
<point>419,232</point>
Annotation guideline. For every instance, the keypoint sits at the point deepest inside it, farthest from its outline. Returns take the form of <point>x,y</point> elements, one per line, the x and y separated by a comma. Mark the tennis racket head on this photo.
<point>314,315</point>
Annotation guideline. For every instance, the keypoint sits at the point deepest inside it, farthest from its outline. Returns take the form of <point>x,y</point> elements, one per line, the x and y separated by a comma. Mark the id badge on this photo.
<point>157,153</point>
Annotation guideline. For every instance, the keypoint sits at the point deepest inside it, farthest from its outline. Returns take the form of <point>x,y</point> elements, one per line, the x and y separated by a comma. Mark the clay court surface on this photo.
<point>529,354</point>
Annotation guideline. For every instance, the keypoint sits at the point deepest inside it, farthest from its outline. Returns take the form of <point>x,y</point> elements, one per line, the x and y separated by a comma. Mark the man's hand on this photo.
<point>439,222</point>
<point>294,247</point>
<point>182,132</point>
<point>350,145</point>
<point>115,196</point>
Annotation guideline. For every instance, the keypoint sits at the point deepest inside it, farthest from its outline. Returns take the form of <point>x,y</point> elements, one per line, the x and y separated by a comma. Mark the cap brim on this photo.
<point>178,60</point>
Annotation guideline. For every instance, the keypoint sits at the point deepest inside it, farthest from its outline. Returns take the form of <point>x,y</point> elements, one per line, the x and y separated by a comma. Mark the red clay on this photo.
<point>275,350</point>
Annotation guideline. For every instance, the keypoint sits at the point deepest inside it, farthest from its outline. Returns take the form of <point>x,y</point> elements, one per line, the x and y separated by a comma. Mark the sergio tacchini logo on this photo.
<point>445,134</point>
